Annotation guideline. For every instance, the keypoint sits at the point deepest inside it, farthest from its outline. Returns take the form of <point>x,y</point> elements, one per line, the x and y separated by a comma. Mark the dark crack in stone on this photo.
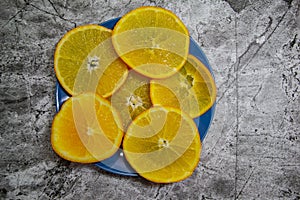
<point>238,5</point>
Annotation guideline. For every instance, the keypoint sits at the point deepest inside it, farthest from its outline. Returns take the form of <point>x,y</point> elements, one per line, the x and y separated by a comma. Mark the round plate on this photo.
<point>117,163</point>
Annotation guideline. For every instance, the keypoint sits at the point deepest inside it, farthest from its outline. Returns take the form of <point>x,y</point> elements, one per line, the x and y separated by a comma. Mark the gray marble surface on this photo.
<point>252,150</point>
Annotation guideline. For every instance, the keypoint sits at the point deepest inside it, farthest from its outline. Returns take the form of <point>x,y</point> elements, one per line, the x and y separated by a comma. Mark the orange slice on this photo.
<point>151,40</point>
<point>163,145</point>
<point>132,98</point>
<point>85,61</point>
<point>192,89</point>
<point>86,129</point>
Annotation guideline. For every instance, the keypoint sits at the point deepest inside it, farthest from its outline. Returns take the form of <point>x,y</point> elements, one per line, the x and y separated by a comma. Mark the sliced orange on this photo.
<point>86,129</point>
<point>163,145</point>
<point>192,89</point>
<point>151,40</point>
<point>85,61</point>
<point>132,98</point>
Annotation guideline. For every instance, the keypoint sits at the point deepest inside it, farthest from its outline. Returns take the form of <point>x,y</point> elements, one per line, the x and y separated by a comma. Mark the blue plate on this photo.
<point>117,163</point>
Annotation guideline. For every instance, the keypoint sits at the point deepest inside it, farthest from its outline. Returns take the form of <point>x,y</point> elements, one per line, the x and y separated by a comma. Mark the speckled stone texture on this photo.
<point>252,150</point>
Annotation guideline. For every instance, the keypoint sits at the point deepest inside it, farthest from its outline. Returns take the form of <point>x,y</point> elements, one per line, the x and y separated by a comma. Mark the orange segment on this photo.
<point>151,40</point>
<point>163,145</point>
<point>86,129</point>
<point>192,89</point>
<point>85,61</point>
<point>132,98</point>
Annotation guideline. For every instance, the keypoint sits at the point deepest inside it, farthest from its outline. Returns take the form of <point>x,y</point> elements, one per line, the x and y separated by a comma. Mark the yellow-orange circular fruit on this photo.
<point>132,98</point>
<point>163,145</point>
<point>192,89</point>
<point>85,61</point>
<point>151,40</point>
<point>86,129</point>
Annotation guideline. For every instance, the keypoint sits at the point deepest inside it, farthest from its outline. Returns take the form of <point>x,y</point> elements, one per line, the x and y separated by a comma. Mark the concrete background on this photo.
<point>252,148</point>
